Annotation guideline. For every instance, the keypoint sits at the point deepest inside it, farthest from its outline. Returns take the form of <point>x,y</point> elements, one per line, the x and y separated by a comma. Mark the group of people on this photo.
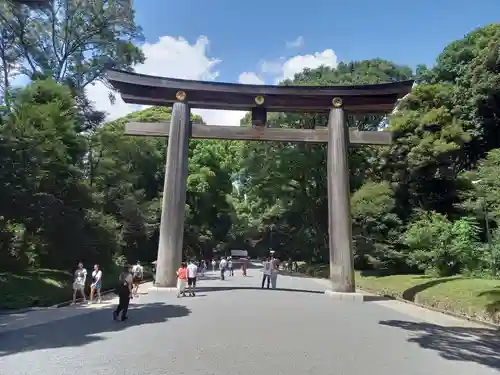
<point>186,276</point>
<point>227,265</point>
<point>128,286</point>
<point>270,272</point>
<point>80,281</point>
<point>132,276</point>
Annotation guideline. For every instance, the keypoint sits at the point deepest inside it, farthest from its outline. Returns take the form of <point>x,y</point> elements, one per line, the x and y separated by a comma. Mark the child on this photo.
<point>181,280</point>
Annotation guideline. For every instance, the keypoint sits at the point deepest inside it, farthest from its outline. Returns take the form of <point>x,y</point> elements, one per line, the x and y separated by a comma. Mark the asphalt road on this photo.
<point>233,327</point>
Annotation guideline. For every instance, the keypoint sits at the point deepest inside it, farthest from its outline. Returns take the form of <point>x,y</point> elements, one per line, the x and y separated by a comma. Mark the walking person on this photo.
<point>214,263</point>
<point>222,268</point>
<point>181,280</point>
<point>137,276</point>
<point>203,268</point>
<point>95,287</point>
<point>192,271</point>
<point>124,291</point>
<point>274,273</point>
<point>244,266</point>
<point>80,277</point>
<point>266,277</point>
<point>230,267</point>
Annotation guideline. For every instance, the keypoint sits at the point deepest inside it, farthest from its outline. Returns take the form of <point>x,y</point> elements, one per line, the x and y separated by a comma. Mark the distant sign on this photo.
<point>239,253</point>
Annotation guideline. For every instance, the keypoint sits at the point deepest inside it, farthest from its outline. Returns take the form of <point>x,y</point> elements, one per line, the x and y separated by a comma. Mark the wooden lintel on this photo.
<point>318,135</point>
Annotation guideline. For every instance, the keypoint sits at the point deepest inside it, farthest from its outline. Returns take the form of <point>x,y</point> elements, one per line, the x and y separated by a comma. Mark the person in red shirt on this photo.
<point>181,280</point>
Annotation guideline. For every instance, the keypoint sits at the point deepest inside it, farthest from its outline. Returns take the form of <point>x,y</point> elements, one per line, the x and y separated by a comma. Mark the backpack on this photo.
<point>121,283</point>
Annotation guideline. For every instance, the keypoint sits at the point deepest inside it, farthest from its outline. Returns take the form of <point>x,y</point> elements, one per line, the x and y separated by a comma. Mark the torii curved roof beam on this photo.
<point>151,90</point>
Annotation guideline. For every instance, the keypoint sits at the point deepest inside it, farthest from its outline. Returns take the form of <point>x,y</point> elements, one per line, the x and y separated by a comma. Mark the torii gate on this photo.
<point>259,99</point>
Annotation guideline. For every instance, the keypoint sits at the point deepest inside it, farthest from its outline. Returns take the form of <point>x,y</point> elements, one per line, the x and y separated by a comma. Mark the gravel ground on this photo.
<point>233,327</point>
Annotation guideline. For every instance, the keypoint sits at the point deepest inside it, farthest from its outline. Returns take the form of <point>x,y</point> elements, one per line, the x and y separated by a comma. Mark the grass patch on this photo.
<point>474,298</point>
<point>32,288</point>
<point>46,287</point>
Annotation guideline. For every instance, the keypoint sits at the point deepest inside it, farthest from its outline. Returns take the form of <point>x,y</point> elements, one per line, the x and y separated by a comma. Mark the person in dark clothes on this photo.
<point>124,291</point>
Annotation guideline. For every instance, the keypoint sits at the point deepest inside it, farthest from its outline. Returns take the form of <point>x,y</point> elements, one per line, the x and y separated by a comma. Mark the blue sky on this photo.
<point>244,33</point>
<point>246,41</point>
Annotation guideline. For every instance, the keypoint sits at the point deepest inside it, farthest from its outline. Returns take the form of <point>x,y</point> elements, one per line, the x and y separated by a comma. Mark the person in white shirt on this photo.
<point>230,267</point>
<point>267,271</point>
<point>214,263</point>
<point>192,272</point>
<point>96,284</point>
<point>222,267</point>
<point>80,277</point>
<point>137,276</point>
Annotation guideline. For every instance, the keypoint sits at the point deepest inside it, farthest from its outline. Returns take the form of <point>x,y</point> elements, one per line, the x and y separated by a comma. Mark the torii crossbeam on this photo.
<point>259,99</point>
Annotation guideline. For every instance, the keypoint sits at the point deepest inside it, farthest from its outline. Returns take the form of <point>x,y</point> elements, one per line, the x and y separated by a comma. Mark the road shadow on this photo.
<point>411,293</point>
<point>479,345</point>
<point>84,329</point>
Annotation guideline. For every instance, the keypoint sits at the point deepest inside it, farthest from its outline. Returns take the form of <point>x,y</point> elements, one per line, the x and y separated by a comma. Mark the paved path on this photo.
<point>231,328</point>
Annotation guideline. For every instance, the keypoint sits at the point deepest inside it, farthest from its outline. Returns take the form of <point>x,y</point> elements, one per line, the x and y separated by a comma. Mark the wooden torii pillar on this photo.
<point>259,99</point>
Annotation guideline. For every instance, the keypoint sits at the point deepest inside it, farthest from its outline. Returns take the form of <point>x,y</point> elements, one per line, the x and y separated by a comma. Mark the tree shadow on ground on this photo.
<point>479,345</point>
<point>367,298</point>
<point>84,329</point>
<point>410,293</point>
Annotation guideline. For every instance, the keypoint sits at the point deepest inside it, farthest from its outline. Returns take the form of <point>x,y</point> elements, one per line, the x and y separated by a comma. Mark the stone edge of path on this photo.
<point>435,309</point>
<point>354,297</point>
<point>367,292</point>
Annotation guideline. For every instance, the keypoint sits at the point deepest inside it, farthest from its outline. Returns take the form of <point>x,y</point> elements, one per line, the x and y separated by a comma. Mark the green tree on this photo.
<point>46,207</point>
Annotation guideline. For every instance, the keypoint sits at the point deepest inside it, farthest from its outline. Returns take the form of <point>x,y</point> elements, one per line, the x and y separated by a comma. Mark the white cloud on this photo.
<point>298,63</point>
<point>177,58</point>
<point>282,69</point>
<point>272,67</point>
<point>216,117</point>
<point>250,78</point>
<point>297,43</point>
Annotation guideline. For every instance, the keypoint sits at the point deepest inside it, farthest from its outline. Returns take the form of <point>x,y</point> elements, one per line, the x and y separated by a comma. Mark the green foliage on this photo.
<point>376,227</point>
<point>45,204</point>
<point>440,247</point>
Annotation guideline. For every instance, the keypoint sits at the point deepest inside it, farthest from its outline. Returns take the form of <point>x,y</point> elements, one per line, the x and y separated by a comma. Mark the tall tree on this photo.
<point>74,41</point>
